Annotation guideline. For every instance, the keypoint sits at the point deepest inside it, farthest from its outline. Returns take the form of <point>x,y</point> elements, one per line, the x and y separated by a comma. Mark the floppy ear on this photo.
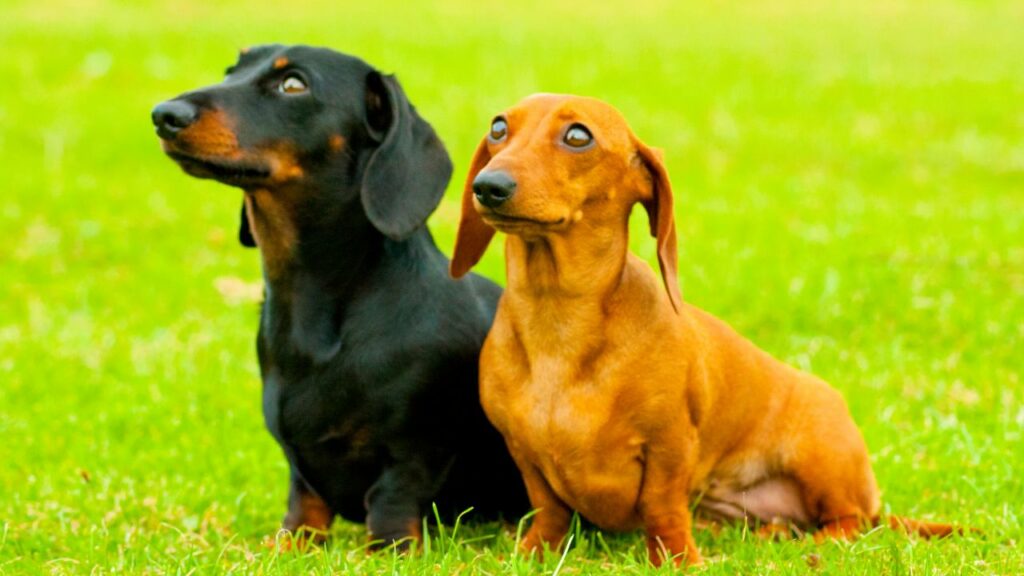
<point>662,218</point>
<point>244,232</point>
<point>474,234</point>
<point>406,175</point>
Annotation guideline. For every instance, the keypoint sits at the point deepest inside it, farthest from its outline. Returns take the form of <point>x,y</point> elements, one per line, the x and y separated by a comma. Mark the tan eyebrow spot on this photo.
<point>280,63</point>
<point>245,50</point>
<point>336,142</point>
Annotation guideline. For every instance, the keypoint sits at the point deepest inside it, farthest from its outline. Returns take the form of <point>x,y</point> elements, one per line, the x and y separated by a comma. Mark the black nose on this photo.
<point>173,116</point>
<point>493,188</point>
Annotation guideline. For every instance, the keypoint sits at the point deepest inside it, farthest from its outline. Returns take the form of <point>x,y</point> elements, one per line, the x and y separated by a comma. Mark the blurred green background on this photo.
<point>849,182</point>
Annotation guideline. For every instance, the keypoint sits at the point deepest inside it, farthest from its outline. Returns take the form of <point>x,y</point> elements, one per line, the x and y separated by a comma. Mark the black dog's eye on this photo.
<point>577,136</point>
<point>499,129</point>
<point>292,84</point>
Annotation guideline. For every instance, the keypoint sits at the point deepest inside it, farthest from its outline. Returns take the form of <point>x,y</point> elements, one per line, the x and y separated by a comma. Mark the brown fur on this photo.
<point>271,220</point>
<point>269,208</point>
<point>616,398</point>
<point>308,519</point>
<point>336,142</point>
<point>212,135</point>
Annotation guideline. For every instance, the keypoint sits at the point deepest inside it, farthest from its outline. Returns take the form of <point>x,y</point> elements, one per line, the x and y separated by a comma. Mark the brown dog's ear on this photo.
<point>474,234</point>
<point>406,176</point>
<point>662,218</point>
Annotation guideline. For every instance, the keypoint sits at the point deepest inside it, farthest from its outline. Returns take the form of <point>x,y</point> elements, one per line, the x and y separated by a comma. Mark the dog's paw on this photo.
<point>302,540</point>
<point>399,536</point>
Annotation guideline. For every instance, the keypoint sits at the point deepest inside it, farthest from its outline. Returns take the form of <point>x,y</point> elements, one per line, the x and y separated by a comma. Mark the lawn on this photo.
<point>850,194</point>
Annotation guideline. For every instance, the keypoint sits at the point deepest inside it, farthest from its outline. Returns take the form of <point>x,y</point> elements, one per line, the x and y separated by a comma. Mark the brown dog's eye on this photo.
<point>499,129</point>
<point>291,84</point>
<point>577,136</point>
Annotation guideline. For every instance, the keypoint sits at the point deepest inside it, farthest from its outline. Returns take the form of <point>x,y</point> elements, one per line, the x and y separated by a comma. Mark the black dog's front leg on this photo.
<point>395,503</point>
<point>306,510</point>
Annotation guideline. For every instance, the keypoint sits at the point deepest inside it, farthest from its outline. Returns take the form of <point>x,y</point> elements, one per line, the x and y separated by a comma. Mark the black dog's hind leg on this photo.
<point>395,503</point>
<point>308,516</point>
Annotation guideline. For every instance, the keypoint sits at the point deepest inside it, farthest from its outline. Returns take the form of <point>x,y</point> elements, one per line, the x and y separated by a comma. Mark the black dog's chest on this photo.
<point>318,408</point>
<point>303,329</point>
<point>332,444</point>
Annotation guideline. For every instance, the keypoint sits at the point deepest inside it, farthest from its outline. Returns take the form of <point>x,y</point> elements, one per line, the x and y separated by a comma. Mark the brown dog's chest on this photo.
<point>574,437</point>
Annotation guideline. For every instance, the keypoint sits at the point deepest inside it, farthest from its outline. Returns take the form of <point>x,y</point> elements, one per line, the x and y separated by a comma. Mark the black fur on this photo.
<point>368,349</point>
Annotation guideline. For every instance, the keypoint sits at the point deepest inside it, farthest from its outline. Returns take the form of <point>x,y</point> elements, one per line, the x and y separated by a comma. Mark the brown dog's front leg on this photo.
<point>664,510</point>
<point>551,522</point>
<point>670,535</point>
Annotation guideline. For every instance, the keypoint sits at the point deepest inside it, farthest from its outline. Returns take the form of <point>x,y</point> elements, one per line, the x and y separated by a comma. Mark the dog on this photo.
<point>368,350</point>
<point>616,398</point>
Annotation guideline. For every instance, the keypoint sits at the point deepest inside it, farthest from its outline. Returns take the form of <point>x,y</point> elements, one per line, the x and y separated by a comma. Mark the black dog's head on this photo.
<point>300,122</point>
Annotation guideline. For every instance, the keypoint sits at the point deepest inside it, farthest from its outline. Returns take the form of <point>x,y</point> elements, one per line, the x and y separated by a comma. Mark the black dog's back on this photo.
<point>368,349</point>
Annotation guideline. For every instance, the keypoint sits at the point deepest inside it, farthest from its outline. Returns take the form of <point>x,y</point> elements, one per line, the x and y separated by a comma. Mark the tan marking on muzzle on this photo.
<point>211,136</point>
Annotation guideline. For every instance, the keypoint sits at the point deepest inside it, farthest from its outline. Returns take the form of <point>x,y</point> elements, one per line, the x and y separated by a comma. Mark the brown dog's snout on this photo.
<point>173,116</point>
<point>493,188</point>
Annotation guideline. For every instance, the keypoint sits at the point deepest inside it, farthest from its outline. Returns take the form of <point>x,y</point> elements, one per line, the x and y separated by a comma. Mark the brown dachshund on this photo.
<point>616,398</point>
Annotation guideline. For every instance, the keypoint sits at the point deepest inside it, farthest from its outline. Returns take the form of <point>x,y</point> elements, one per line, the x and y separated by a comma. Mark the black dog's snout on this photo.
<point>173,116</point>
<point>493,188</point>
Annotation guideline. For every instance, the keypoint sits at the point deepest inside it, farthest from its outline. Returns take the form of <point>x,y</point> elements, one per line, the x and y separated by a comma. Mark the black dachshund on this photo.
<point>367,348</point>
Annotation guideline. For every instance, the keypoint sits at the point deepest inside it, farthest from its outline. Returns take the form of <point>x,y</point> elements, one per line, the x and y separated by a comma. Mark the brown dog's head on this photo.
<point>553,161</point>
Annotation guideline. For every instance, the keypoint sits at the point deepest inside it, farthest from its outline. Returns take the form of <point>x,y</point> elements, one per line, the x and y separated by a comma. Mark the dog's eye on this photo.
<point>291,84</point>
<point>577,136</point>
<point>499,129</point>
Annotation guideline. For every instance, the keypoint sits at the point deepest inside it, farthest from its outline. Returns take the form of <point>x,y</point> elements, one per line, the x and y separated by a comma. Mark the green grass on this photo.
<point>850,192</point>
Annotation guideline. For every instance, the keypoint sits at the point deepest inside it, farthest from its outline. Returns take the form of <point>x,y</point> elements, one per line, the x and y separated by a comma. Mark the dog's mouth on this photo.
<point>507,222</point>
<point>228,171</point>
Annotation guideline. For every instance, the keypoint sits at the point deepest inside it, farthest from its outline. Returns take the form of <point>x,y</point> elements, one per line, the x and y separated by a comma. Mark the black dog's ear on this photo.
<point>406,176</point>
<point>244,232</point>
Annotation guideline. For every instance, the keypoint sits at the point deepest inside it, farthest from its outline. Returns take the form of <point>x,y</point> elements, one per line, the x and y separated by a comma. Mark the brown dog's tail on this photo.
<point>927,529</point>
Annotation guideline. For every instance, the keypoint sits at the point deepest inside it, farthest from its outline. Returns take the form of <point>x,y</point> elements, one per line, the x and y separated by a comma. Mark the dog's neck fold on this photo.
<point>297,236</point>
<point>582,264</point>
<point>312,258</point>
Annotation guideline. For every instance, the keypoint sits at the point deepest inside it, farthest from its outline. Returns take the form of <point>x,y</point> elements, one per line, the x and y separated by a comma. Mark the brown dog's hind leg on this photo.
<point>828,458</point>
<point>843,508</point>
<point>846,528</point>
<point>776,531</point>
